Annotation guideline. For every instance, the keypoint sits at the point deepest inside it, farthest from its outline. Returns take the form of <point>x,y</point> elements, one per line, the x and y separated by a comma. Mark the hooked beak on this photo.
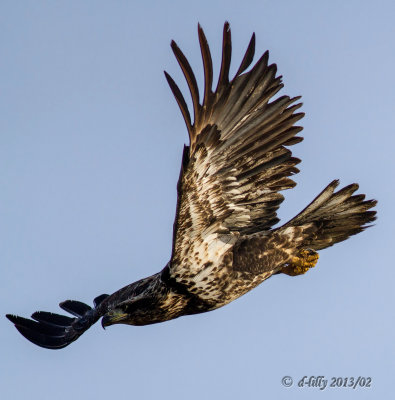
<point>113,317</point>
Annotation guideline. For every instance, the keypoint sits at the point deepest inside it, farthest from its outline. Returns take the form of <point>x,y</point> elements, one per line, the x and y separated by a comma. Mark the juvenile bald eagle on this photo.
<point>237,162</point>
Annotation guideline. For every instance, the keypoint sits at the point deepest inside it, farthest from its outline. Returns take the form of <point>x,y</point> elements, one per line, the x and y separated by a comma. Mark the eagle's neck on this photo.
<point>147,301</point>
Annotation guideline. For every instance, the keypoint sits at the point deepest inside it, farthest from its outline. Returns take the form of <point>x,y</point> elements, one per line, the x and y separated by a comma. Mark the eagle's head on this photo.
<point>148,302</point>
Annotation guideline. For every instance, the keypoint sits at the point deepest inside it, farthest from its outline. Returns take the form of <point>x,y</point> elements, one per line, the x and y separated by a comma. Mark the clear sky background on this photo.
<point>90,148</point>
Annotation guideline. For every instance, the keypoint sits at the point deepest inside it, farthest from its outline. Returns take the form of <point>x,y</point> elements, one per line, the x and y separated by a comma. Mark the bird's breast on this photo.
<point>213,284</point>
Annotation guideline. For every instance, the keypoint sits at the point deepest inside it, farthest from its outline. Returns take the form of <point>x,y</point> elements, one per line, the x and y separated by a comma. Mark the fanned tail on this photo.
<point>55,331</point>
<point>337,215</point>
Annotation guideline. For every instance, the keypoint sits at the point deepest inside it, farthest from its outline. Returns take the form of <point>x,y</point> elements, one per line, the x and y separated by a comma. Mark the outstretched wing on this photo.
<point>237,161</point>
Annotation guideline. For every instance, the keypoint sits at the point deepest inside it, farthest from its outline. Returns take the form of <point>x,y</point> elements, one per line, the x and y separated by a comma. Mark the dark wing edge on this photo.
<point>55,331</point>
<point>238,135</point>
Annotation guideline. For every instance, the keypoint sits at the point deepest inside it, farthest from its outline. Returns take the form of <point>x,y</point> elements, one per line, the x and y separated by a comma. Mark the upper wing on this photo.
<point>237,161</point>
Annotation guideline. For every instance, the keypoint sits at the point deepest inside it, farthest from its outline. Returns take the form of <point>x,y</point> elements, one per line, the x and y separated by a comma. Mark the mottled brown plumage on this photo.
<point>224,244</point>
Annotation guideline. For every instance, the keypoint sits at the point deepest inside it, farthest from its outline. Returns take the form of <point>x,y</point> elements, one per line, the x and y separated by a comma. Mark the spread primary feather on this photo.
<point>224,243</point>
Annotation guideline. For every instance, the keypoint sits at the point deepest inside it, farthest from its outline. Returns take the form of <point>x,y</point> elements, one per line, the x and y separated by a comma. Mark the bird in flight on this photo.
<point>224,244</point>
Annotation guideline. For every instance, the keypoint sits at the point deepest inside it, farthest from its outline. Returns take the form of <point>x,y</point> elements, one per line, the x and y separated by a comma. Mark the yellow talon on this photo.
<point>300,264</point>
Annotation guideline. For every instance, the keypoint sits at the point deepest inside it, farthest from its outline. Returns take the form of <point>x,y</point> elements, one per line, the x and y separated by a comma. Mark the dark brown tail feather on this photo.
<point>338,215</point>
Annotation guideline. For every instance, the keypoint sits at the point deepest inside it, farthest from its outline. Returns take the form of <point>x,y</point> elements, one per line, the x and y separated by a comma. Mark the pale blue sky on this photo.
<point>90,148</point>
